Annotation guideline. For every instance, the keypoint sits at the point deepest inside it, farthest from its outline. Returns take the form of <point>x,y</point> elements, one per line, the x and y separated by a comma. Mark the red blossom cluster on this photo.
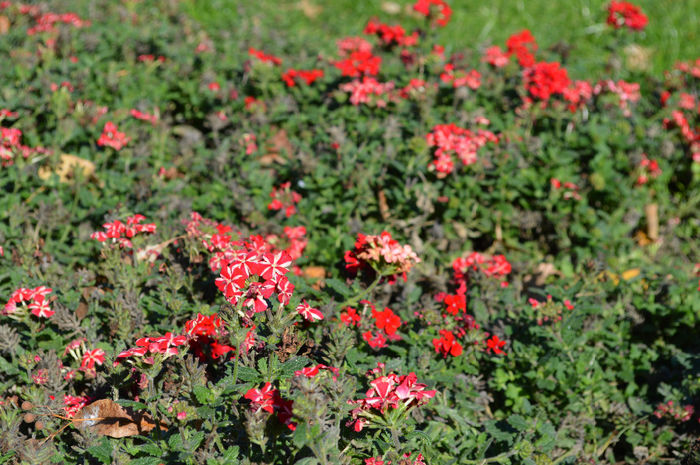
<point>122,233</point>
<point>73,404</point>
<point>570,189</point>
<point>685,113</point>
<point>446,344</point>
<point>249,141</point>
<point>577,94</point>
<point>389,392</point>
<point>405,460</point>
<point>36,298</point>
<point>263,57</point>
<point>495,266</point>
<point>523,46</point>
<point>496,57</point>
<point>148,58</point>
<point>381,254</point>
<point>218,240</point>
<point>268,399</point>
<point>549,310</point>
<point>357,58</point>
<point>148,347</point>
<point>205,332</point>
<point>648,169</point>
<point>369,91</point>
<point>310,372</point>
<point>459,78</point>
<point>439,10</point>
<point>291,76</point>
<point>543,80</point>
<point>153,119</point>
<point>111,137</point>
<point>415,88</point>
<point>391,35</point>
<point>47,22</point>
<point>627,92</point>
<point>452,140</point>
<point>675,412</point>
<point>284,198</point>
<point>622,13</point>
<point>10,144</point>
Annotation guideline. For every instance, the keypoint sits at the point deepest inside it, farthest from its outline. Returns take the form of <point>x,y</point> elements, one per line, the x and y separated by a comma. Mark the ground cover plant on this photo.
<point>218,246</point>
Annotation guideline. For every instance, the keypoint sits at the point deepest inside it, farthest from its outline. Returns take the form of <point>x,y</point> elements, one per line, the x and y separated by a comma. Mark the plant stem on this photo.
<point>363,294</point>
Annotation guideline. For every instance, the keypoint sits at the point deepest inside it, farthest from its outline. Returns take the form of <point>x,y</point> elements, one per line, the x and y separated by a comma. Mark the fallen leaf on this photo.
<point>383,205</point>
<point>107,418</point>
<point>151,252</point>
<point>275,147</point>
<point>544,271</point>
<point>629,274</point>
<point>391,8</point>
<point>309,9</point>
<point>652,213</point>
<point>66,168</point>
<point>4,25</point>
<point>315,273</point>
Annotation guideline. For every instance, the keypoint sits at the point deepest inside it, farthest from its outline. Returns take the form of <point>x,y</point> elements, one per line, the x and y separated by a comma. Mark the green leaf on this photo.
<point>338,286</point>
<point>132,404</point>
<point>203,394</point>
<point>102,451</point>
<point>518,422</point>
<point>290,366</point>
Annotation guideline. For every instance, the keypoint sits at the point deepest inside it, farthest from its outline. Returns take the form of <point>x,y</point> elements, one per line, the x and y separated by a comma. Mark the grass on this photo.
<point>313,26</point>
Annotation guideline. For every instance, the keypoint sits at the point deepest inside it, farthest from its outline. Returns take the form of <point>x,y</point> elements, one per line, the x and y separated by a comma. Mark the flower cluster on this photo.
<point>10,144</point>
<point>111,137</point>
<point>36,298</point>
<point>284,198</point>
<point>207,332</point>
<point>291,76</point>
<point>439,10</point>
<point>73,404</point>
<point>148,347</point>
<point>549,310</point>
<point>495,266</point>
<point>545,79</point>
<point>471,79</point>
<point>153,119</point>
<point>452,140</point>
<point>122,233</point>
<point>621,13</point>
<point>627,92</point>
<point>446,344</point>
<point>47,22</point>
<point>382,254</point>
<point>675,412</point>
<point>523,46</point>
<point>648,169</point>
<point>570,189</point>
<point>357,58</point>
<point>391,35</point>
<point>369,91</point>
<point>268,399</point>
<point>388,393</point>
<point>263,57</point>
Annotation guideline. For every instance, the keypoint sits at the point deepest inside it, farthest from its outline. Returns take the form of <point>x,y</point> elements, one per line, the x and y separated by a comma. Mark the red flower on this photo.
<point>523,46</point>
<point>544,79</point>
<point>350,317</point>
<point>455,303</point>
<point>111,137</point>
<point>441,11</point>
<point>92,357</point>
<point>622,13</point>
<point>309,313</point>
<point>447,345</point>
<point>263,57</point>
<point>387,320</point>
<point>495,345</point>
<point>495,57</point>
<point>309,76</point>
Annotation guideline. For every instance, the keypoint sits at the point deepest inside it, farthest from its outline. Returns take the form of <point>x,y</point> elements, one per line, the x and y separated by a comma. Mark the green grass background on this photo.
<point>284,26</point>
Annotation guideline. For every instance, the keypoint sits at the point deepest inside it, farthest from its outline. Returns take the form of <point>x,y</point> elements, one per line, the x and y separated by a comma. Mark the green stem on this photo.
<point>495,459</point>
<point>362,295</point>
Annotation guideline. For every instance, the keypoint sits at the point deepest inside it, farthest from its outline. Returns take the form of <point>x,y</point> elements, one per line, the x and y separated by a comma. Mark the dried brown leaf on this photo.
<point>107,418</point>
<point>66,168</point>
<point>4,25</point>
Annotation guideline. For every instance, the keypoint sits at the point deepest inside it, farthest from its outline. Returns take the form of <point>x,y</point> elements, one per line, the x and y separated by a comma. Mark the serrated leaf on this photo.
<point>131,403</point>
<point>146,461</point>
<point>203,394</point>
<point>518,422</point>
<point>102,451</point>
<point>338,286</point>
<point>290,366</point>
